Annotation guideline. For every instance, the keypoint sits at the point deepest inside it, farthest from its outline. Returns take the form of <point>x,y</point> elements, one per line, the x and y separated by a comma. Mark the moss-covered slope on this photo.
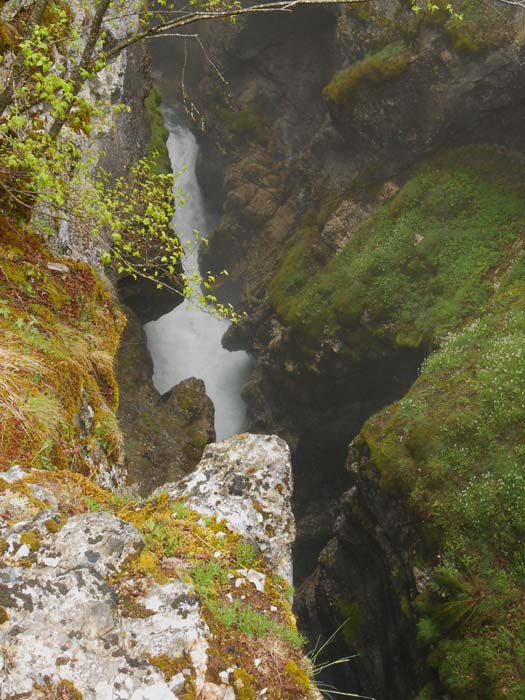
<point>453,449</point>
<point>421,266</point>
<point>441,267</point>
<point>60,330</point>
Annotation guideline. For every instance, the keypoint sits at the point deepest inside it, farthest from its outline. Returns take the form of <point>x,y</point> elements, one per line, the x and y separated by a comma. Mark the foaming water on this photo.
<point>187,341</point>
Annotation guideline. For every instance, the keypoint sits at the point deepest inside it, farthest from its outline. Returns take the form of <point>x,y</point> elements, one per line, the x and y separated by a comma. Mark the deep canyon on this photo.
<point>332,124</point>
<point>359,172</point>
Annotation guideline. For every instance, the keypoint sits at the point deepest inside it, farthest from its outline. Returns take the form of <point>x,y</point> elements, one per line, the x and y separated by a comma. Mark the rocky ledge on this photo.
<point>102,596</point>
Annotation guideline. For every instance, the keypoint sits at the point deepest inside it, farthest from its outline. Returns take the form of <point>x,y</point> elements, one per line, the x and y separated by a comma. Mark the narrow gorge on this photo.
<point>359,171</point>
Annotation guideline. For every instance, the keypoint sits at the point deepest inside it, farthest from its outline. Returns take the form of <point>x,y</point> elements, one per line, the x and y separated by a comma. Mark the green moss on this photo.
<point>157,147</point>
<point>453,450</point>
<point>169,666</point>
<point>298,676</point>
<point>245,122</point>
<point>32,539</point>
<point>483,26</point>
<point>387,64</point>
<point>352,616</point>
<point>243,684</point>
<point>304,256</point>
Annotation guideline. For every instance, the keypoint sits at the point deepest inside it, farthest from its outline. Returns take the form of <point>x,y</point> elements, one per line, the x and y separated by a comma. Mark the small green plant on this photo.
<point>245,555</point>
<point>93,505</point>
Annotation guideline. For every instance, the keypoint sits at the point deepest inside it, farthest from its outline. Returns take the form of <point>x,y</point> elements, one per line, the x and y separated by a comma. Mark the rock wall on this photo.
<point>337,145</point>
<point>107,597</point>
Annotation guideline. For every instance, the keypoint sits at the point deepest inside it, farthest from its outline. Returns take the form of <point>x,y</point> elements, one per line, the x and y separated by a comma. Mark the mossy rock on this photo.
<point>453,451</point>
<point>387,64</point>
<point>159,134</point>
<point>245,123</point>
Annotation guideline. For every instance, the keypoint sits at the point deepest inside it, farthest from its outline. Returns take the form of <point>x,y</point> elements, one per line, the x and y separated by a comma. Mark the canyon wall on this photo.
<point>367,165</point>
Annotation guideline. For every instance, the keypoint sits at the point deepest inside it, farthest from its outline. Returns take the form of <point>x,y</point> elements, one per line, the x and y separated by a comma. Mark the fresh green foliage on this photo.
<point>387,64</point>
<point>472,26</point>
<point>48,171</point>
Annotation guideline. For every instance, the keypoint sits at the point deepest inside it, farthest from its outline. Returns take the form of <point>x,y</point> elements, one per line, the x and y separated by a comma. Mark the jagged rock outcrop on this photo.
<point>138,600</point>
<point>247,482</point>
<point>164,436</point>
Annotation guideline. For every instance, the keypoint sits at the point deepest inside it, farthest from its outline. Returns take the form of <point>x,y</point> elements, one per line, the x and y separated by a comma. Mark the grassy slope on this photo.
<point>59,335</point>
<point>59,332</point>
<point>417,269</point>
<point>443,266</point>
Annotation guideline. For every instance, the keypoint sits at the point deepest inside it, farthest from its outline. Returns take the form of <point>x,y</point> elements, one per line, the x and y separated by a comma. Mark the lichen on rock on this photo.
<point>247,481</point>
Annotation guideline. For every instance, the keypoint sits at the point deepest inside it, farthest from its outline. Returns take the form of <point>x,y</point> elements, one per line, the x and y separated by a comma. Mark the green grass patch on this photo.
<point>384,65</point>
<point>421,266</point>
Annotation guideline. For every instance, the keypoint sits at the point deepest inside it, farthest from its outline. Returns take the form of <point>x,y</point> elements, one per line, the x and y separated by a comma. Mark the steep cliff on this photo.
<point>379,156</point>
<point>103,594</point>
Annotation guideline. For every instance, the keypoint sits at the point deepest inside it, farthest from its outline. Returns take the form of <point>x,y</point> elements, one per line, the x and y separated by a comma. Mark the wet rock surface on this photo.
<point>165,436</point>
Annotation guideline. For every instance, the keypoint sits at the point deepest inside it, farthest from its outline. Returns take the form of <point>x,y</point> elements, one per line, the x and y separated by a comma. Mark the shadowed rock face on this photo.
<point>165,436</point>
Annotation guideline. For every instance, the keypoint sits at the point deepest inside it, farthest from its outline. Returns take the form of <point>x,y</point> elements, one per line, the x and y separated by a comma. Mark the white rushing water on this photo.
<point>187,341</point>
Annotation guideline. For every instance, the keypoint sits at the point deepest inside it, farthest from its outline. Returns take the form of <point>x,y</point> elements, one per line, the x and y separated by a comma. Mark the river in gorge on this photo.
<point>187,341</point>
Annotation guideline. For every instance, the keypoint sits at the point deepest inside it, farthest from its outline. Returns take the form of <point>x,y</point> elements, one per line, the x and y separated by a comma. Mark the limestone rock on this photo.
<point>63,620</point>
<point>247,481</point>
<point>98,540</point>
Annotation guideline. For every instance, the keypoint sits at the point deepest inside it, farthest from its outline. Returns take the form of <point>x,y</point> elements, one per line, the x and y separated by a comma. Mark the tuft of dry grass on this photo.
<point>24,402</point>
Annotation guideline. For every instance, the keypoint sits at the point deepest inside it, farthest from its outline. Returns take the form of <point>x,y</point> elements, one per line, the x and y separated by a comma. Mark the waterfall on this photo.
<point>187,341</point>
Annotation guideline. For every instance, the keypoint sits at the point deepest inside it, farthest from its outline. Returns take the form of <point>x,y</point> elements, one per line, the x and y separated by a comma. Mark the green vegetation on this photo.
<point>246,623</point>
<point>472,26</point>
<point>59,334</point>
<point>453,449</point>
<point>245,123</point>
<point>387,64</point>
<point>442,267</point>
<point>424,264</point>
<point>157,147</point>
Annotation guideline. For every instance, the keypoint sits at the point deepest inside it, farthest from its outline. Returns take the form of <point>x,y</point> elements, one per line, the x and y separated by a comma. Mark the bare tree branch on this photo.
<point>193,17</point>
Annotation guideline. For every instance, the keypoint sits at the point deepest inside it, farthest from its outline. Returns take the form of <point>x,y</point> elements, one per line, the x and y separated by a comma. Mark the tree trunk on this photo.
<point>6,96</point>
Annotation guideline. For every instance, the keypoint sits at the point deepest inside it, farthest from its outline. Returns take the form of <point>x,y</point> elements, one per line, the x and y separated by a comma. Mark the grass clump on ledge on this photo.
<point>380,67</point>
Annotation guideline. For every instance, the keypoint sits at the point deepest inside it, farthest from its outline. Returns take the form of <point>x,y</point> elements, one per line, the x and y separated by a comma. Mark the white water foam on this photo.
<point>187,341</point>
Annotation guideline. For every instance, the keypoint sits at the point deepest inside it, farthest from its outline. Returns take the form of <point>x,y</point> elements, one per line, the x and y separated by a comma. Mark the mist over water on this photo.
<point>187,341</point>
